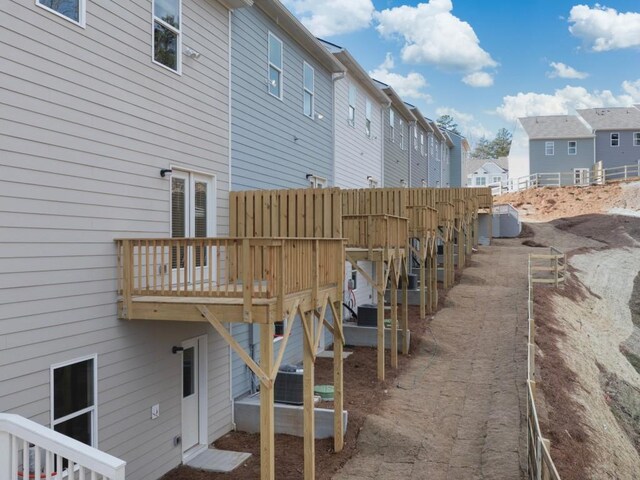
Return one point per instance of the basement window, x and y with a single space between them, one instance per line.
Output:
72 10
73 399
615 139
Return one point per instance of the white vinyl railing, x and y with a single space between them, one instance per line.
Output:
30 451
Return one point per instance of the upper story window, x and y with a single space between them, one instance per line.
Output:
480 181
422 152
72 10
636 139
415 137
275 66
549 148
431 147
572 147
367 117
615 139
309 89
353 98
401 135
73 399
167 38
392 125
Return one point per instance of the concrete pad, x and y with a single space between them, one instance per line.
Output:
289 419
214 460
368 336
329 354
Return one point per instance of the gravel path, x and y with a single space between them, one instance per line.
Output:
458 411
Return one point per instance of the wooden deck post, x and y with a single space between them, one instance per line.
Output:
338 386
127 278
394 320
434 283
423 280
404 320
309 406
267 428
380 322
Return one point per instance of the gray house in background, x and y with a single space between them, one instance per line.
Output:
550 144
459 156
418 151
617 132
282 101
436 141
92 111
282 115
396 139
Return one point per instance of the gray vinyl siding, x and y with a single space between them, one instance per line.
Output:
396 159
624 154
433 165
274 145
418 161
455 162
87 122
560 161
357 155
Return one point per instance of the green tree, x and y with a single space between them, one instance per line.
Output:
447 122
502 143
482 149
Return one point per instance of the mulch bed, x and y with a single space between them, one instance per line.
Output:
364 395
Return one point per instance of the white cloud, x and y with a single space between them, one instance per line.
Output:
605 28
478 79
560 70
472 129
563 101
410 86
433 35
332 17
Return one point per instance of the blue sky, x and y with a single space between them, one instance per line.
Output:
488 62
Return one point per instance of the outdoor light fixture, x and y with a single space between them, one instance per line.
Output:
175 350
190 52
319 116
403 183
166 172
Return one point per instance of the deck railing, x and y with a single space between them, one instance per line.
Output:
423 221
446 213
226 267
29 450
375 231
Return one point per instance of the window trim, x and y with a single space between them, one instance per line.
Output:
317 181
415 137
392 125
178 32
546 149
82 13
279 69
368 109
352 122
402 145
611 139
636 139
422 149
306 90
93 408
575 147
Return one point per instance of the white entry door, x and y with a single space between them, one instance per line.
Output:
190 395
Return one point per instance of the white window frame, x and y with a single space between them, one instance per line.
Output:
401 125
574 148
497 179
352 105
617 139
636 139
367 117
392 124
306 90
316 181
422 150
549 149
280 68
177 31
93 409
481 181
82 13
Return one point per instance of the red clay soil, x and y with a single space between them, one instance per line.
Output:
364 395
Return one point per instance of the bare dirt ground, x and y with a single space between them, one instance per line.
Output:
458 410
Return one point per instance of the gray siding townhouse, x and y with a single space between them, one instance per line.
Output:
360 107
96 99
397 124
437 142
419 172
459 156
445 151
282 100
282 90
549 144
617 132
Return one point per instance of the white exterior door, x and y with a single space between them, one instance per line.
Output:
190 395
581 176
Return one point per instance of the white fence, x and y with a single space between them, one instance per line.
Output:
29 450
579 177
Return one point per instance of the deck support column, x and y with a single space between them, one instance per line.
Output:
380 322
476 231
404 319
432 275
338 386
423 281
267 429
394 320
448 263
308 404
